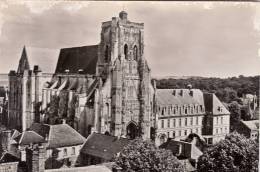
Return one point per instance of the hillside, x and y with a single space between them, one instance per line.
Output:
227 89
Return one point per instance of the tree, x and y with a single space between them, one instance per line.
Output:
235 114
144 156
235 153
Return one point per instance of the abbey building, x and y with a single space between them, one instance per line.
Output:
107 88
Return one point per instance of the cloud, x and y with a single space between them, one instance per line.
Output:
189 38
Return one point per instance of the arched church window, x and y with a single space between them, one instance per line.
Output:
126 51
107 54
135 52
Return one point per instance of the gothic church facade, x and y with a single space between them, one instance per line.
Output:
104 88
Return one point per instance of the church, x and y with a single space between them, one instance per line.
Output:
107 88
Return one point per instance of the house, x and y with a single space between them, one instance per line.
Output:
100 148
188 150
63 143
249 128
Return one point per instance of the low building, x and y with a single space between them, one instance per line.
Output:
100 148
188 150
249 128
63 143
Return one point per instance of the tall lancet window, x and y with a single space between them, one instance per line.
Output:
107 54
135 53
126 51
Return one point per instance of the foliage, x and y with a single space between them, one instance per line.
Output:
144 156
227 89
235 114
63 104
52 111
72 110
235 153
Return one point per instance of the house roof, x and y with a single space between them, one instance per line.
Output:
182 149
60 135
103 146
213 104
174 97
28 137
76 58
252 125
9 157
45 58
91 168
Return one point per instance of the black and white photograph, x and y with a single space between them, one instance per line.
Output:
129 86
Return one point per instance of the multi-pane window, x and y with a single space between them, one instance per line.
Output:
174 122
191 121
173 134
216 130
180 133
185 132
168 134
180 122
162 123
217 120
168 123
221 120
174 111
186 111
197 120
186 121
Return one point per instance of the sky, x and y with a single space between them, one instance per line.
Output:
211 39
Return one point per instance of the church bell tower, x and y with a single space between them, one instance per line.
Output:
121 58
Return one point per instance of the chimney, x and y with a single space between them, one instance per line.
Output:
63 121
5 140
154 84
35 158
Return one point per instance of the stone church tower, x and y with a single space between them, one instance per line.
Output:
121 60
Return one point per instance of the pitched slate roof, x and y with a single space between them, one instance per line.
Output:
28 137
174 97
252 124
188 150
60 135
103 146
76 58
91 168
213 104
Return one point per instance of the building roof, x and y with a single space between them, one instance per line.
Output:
45 58
76 58
28 137
60 135
91 168
103 146
213 104
179 96
9 157
252 125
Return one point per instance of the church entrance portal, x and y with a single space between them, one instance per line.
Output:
132 130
